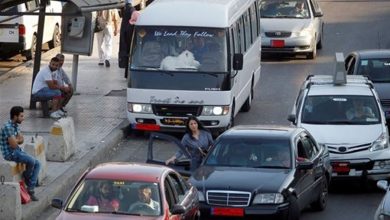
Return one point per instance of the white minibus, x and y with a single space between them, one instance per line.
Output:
18 33
192 57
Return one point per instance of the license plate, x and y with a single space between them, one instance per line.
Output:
174 121
341 167
147 127
223 211
277 43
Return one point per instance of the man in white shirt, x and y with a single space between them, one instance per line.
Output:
145 205
46 86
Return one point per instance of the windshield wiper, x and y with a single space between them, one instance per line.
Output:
272 167
187 68
75 210
148 67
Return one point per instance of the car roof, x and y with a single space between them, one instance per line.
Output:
323 85
128 171
261 131
373 53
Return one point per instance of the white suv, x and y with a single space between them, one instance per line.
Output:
344 114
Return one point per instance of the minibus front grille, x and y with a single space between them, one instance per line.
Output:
177 110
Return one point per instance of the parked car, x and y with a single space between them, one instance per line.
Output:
383 210
18 33
344 114
375 64
115 190
289 30
255 171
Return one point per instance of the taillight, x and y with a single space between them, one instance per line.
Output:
22 30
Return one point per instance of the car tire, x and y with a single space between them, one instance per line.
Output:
56 40
231 122
319 44
293 209
311 55
248 103
31 52
320 203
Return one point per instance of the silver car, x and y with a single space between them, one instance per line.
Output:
383 210
291 27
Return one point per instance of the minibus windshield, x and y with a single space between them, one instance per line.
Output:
179 49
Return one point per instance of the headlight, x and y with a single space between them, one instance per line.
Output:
201 196
139 108
380 143
215 110
268 198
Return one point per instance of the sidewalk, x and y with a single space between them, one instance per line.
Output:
99 111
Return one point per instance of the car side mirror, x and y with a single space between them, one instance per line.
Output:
305 165
291 118
178 209
318 14
57 203
382 184
238 61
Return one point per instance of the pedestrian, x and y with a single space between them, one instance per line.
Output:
109 20
46 86
197 141
10 141
126 32
64 82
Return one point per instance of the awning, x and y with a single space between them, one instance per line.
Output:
84 5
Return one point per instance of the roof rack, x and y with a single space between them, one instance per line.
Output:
339 77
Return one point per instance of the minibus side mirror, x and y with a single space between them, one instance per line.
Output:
238 61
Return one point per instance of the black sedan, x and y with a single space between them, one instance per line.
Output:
263 172
375 64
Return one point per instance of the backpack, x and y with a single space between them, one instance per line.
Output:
100 22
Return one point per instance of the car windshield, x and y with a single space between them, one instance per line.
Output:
338 109
115 197
284 9
378 70
188 49
257 153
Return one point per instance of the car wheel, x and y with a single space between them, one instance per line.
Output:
231 122
311 55
31 52
293 209
248 103
56 40
320 203
319 44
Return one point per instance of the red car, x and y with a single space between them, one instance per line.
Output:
130 191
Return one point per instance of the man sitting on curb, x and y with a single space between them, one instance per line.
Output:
46 86
10 140
63 81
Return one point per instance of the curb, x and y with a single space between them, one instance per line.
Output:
61 186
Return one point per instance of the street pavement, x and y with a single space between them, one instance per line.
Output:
98 111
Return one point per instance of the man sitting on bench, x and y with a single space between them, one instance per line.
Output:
45 86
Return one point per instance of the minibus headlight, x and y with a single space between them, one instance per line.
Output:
140 108
215 110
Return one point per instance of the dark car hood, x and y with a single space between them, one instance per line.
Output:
240 178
